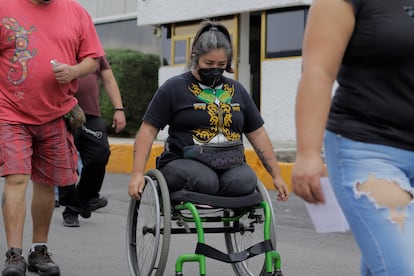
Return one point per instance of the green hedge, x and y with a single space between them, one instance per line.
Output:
137 77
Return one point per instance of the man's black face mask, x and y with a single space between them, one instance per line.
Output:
211 76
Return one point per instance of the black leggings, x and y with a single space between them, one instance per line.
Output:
197 177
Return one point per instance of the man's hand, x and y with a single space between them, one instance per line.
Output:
64 73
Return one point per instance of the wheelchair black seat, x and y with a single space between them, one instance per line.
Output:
216 201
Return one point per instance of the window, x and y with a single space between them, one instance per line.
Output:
126 34
284 32
180 51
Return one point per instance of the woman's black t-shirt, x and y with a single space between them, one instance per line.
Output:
374 102
197 114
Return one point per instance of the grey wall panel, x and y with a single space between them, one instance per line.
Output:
109 8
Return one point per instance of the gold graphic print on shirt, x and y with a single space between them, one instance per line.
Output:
218 106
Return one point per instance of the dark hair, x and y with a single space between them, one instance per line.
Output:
211 35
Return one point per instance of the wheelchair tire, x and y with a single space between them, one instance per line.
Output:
149 228
239 241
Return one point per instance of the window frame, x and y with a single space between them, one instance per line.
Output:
284 53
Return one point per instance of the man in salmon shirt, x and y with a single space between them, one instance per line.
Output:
35 143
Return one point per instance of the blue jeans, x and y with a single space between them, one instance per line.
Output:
374 186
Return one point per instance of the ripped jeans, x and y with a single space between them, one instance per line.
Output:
374 185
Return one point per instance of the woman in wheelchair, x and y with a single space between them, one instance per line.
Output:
207 114
203 163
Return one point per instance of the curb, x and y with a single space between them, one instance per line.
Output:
121 161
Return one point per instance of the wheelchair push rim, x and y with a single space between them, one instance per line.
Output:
149 228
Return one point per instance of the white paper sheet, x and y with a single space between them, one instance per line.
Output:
327 217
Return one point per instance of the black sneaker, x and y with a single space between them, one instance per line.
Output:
15 264
83 211
70 220
98 203
41 262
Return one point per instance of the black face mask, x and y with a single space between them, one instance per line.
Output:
211 76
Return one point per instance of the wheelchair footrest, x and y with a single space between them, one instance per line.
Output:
250 252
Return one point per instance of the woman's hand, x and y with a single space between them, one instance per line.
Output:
306 178
136 185
282 188
142 150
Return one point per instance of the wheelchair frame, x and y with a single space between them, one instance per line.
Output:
149 235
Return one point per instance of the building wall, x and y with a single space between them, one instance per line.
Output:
167 11
107 10
279 77
278 92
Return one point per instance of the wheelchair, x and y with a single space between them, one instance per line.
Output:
247 223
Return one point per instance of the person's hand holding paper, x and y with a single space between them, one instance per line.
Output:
327 217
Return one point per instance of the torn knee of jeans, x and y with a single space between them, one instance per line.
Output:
386 193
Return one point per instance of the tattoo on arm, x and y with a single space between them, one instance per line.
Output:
264 160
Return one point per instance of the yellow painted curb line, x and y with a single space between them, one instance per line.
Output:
121 161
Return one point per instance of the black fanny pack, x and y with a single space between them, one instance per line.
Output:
217 155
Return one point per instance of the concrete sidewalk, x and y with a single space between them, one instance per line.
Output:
121 159
98 246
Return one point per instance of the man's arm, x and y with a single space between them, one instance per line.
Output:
65 73
112 90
